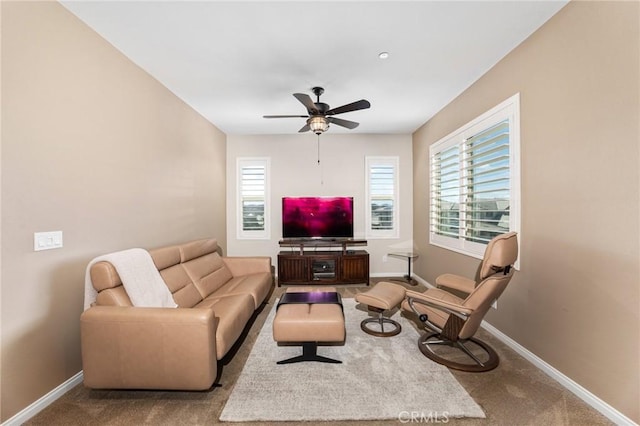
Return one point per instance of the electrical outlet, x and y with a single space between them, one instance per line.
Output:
47 240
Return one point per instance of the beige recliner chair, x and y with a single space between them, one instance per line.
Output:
452 320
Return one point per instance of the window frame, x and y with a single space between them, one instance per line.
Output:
370 162
241 164
506 110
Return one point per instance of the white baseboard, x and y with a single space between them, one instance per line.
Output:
387 274
44 402
605 409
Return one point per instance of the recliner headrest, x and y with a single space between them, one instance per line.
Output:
502 251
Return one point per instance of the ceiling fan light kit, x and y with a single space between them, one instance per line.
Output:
320 114
318 124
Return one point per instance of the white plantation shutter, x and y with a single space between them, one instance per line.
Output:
252 196
445 192
382 197
475 180
486 183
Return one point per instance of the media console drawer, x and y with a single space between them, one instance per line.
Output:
323 267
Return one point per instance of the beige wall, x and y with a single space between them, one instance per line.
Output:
295 172
95 147
575 303
0 214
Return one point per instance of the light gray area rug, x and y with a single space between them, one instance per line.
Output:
380 378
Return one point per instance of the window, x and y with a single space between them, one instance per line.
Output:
475 181
253 207
382 197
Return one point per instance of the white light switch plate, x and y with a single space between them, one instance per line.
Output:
47 240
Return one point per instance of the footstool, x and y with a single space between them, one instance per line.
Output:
309 316
382 297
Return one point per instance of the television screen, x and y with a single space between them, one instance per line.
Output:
317 217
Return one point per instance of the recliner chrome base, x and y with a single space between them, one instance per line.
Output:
381 321
478 365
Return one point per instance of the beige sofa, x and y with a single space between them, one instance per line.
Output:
127 347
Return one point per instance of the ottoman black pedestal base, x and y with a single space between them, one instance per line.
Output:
309 353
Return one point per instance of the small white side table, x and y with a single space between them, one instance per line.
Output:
409 255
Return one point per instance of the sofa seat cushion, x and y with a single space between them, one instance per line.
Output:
257 285
232 312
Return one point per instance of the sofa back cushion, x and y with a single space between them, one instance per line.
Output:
192 271
104 276
167 260
204 266
107 283
194 249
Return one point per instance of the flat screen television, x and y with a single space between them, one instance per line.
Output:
317 217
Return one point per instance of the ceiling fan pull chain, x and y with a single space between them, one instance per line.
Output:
320 165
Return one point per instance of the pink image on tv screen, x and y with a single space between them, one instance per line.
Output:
317 217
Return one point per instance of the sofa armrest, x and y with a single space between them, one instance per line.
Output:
148 348
241 265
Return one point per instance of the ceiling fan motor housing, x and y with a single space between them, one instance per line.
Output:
321 107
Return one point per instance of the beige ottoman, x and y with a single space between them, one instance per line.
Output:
384 296
309 316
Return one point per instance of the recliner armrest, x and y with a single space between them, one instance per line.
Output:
148 348
241 265
456 282
438 303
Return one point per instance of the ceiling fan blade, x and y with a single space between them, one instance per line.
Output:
285 116
304 128
353 106
307 102
344 123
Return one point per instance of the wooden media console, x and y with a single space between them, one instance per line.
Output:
301 265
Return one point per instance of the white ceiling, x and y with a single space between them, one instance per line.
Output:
235 61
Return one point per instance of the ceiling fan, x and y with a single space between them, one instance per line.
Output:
320 115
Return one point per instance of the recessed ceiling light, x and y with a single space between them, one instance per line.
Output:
383 55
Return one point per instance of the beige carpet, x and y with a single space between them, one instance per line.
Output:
380 378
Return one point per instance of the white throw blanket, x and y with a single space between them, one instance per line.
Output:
139 276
